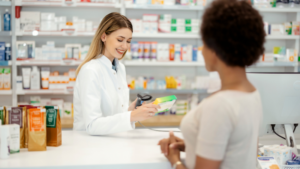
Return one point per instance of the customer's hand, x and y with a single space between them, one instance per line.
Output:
132 105
166 143
174 153
144 112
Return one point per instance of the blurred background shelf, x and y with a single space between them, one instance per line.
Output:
276 64
278 9
5 92
5 3
287 37
44 92
137 63
169 91
48 63
5 33
164 7
76 4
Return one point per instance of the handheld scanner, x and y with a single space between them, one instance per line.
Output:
141 98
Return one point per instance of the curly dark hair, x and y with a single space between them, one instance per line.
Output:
235 31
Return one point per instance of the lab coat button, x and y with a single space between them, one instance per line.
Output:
122 105
119 88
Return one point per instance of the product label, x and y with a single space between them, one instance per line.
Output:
36 120
51 118
15 116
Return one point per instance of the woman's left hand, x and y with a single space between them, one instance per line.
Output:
174 154
132 105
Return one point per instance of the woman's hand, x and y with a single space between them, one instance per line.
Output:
144 112
132 105
166 143
173 154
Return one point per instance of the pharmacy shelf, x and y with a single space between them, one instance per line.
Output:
163 7
5 33
138 35
170 91
283 37
167 35
275 64
278 9
55 33
5 92
5 3
74 4
48 63
143 63
88 34
44 92
5 63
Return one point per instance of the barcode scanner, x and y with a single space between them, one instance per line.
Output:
141 98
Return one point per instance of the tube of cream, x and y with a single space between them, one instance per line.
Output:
26 77
45 72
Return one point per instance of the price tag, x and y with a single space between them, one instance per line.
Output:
69 3
69 32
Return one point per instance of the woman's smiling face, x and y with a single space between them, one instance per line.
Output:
117 43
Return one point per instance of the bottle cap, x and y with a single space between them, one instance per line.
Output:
7 45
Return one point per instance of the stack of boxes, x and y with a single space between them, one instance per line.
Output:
152 23
164 23
48 22
64 81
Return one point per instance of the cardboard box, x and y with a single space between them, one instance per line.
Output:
30 20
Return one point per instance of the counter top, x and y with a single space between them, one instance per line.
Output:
135 149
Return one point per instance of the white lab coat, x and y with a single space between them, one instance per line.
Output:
101 98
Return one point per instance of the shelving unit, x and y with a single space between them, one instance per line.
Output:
44 92
5 3
153 68
5 33
286 10
74 4
5 92
163 7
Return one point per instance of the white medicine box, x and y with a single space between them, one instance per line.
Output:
30 20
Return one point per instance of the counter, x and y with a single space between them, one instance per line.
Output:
135 149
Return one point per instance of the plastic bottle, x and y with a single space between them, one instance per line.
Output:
6 20
7 51
35 78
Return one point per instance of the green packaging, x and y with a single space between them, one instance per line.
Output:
2 115
273 3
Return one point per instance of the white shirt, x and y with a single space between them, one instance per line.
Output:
101 98
224 127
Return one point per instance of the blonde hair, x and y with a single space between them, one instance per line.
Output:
110 23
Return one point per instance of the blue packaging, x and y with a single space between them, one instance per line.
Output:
6 21
297 159
293 162
2 51
7 52
195 51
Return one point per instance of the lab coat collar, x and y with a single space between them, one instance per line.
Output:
108 63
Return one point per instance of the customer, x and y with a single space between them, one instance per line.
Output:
222 132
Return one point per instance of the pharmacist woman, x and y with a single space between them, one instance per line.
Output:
101 94
222 131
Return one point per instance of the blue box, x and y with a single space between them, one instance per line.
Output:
2 50
195 52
